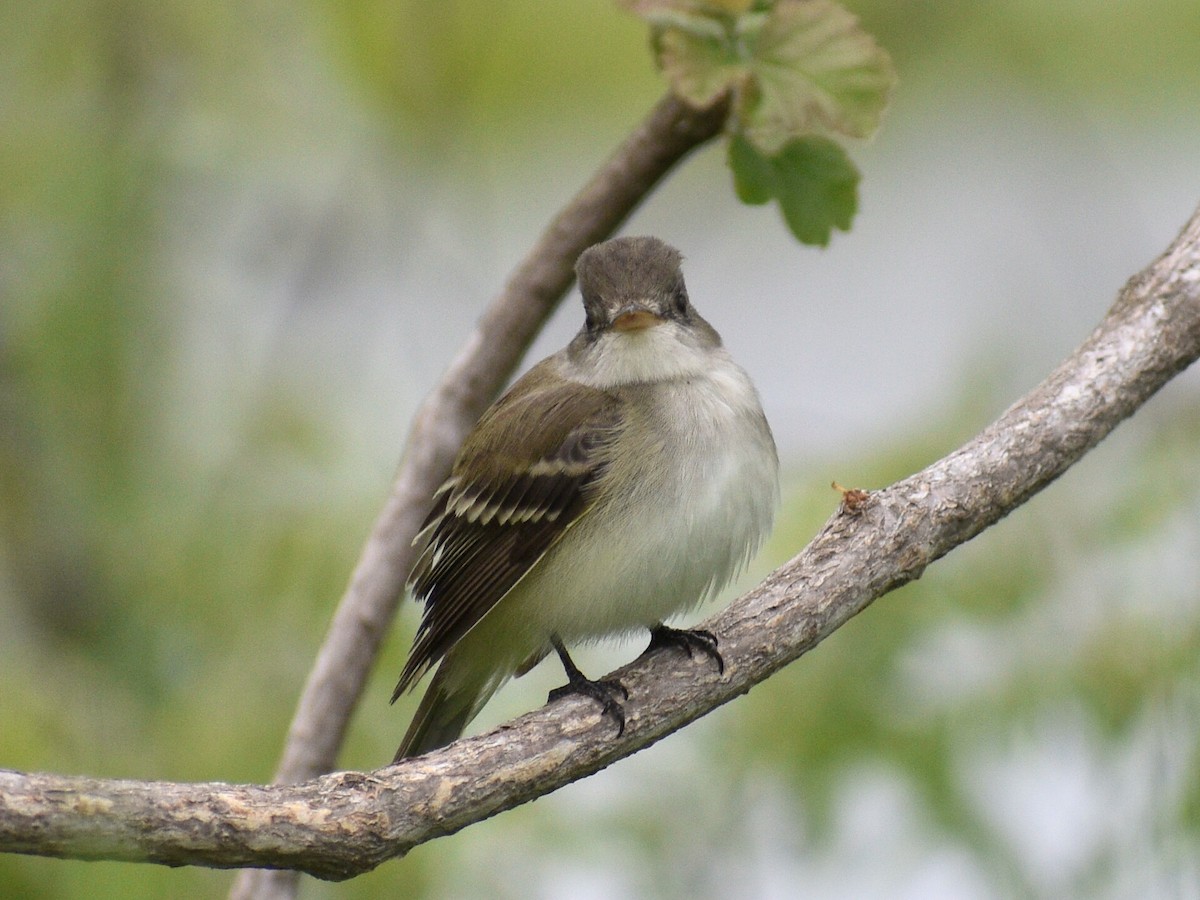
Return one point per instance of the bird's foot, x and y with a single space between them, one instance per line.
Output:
604 691
700 640
607 692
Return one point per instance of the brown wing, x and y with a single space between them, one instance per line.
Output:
533 457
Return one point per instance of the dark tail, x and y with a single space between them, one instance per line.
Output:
443 714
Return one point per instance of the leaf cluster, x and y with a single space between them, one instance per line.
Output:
800 74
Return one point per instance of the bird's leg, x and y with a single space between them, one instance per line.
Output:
604 692
700 640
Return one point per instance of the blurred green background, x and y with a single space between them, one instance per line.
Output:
239 241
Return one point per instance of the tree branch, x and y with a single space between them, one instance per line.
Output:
343 824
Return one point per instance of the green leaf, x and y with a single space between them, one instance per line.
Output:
796 67
700 65
814 69
699 44
800 72
753 174
813 180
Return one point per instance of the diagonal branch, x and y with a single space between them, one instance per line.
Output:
343 824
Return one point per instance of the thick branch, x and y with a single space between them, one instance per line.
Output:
347 823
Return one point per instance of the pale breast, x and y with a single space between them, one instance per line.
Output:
696 495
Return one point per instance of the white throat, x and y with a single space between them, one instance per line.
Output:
665 352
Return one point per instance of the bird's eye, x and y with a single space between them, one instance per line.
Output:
680 300
591 321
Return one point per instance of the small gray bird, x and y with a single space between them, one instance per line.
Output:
620 481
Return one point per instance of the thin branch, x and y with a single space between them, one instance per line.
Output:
341 825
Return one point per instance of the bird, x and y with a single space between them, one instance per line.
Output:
619 482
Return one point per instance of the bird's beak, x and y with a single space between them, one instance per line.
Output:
635 318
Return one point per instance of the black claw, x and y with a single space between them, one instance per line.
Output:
700 640
604 692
